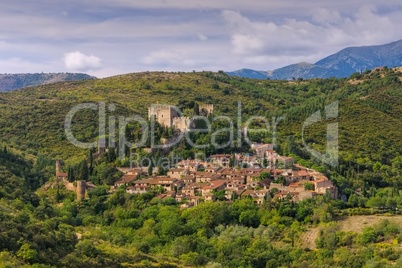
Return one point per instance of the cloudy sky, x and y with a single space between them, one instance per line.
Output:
105 38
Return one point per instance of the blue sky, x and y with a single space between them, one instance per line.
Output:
105 38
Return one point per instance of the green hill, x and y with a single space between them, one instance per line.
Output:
370 112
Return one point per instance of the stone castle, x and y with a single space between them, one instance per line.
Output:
82 186
168 116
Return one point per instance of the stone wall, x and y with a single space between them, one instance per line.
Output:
206 109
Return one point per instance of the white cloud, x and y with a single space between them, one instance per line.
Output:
181 35
202 37
163 56
293 39
77 61
19 65
322 15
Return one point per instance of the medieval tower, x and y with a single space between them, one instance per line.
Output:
59 166
81 187
164 114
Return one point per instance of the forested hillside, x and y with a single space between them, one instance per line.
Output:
370 112
43 224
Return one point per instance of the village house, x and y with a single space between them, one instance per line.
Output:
234 185
303 195
192 165
212 169
257 195
324 186
262 148
180 197
285 160
193 201
294 196
170 194
177 173
136 190
167 183
221 160
189 179
216 186
234 193
301 175
254 184
193 189
209 197
131 174
207 177
61 176
125 180
237 181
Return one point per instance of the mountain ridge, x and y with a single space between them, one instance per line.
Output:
10 82
340 65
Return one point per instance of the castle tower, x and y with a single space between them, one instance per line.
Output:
206 109
59 166
164 114
81 187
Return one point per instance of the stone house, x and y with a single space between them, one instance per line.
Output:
260 150
216 186
136 189
125 180
177 173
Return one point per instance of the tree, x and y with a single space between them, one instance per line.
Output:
353 200
295 230
290 145
264 162
161 171
84 172
376 202
58 193
196 109
265 175
27 253
249 218
308 186
377 166
91 160
70 174
232 160
274 191
150 169
111 155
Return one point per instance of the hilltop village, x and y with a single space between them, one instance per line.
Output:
255 175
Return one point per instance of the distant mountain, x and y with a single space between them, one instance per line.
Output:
9 82
303 69
249 73
341 64
356 59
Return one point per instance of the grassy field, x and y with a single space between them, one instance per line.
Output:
347 224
